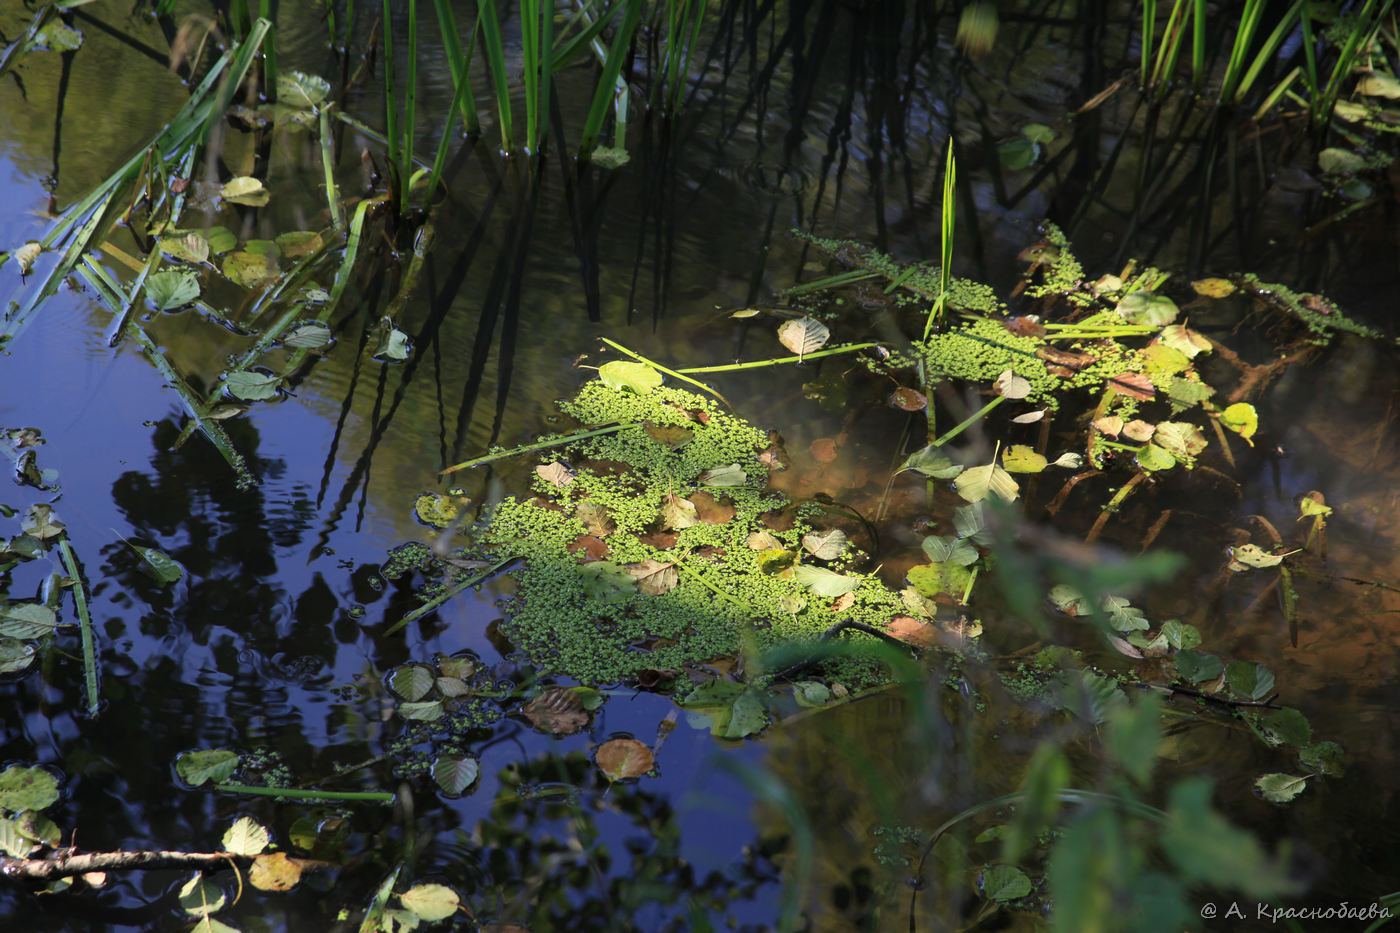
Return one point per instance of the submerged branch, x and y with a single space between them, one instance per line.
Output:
73 865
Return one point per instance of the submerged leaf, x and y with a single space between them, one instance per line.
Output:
803 335
728 475
162 566
214 765
172 289
943 549
1148 308
299 89
596 518
607 582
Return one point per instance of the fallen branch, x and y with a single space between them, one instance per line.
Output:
73 864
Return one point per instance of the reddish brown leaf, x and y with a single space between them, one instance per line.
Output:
907 399
590 547
1066 358
712 510
843 602
1133 385
911 630
621 759
1024 326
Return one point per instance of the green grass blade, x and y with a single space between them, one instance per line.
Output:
391 100
1149 23
1267 51
490 29
75 572
949 217
460 65
608 81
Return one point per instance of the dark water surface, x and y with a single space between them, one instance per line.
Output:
273 639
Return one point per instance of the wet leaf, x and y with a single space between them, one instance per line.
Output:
1376 84
607 582
976 483
969 523
162 566
1313 504
250 270
622 759
422 711
431 902
823 450
244 190
1213 288
907 399
1069 600
26 255
626 375
791 603
803 335
1009 385
1003 883
670 435
214 765
1197 666
677 513
826 545
1140 431
58 37
411 681
200 896
1123 615
811 693
452 686
728 475
13 842
1068 461
1133 385
843 602
557 474
172 289
302 90
1280 788
1185 340
221 240
912 631
1161 360
596 518
454 774
394 346
246 837
15 655
934 579
1249 679
558 710
1017 154
1335 161
654 577
745 313
1153 458
763 541
745 716
274 871
1030 417
1252 555
27 620
1038 133
943 549
41 522
191 247
1148 308
1286 726
252 386
824 582
310 335
1020 458
1181 439
1242 419
23 788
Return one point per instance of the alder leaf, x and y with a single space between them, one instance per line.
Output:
803 335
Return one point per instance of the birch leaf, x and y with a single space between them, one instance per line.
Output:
654 577
803 335
557 474
827 545
677 513
976 483
727 475
1009 385
824 582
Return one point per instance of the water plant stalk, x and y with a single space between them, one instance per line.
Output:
448 594
775 361
293 793
679 374
75 573
489 28
559 441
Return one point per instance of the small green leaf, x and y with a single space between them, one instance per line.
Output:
244 190
929 461
246 837
976 483
607 582
1286 726
423 711
1038 133
1003 883
1196 666
1019 458
27 620
1017 154
747 715
1249 679
1327 758
252 386
201 897
1242 419
1280 788
626 375
172 289
394 346
214 765
1335 161
824 582
811 693
411 681
455 773
162 566
302 90
431 902
1143 307
58 37
310 335
677 513
727 475
24 788
1154 459
941 549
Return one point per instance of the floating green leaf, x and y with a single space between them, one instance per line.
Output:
1181 439
58 37
1123 616
930 461
1154 459
1003 883
252 386
411 681
811 693
1242 419
1324 757
1252 555
244 190
453 774
1249 679
1335 161
634 377
1019 458
1285 726
607 582
1017 154
969 523
162 566
746 715
423 710
394 346
431 902
310 335
246 837
1197 666
1280 788
27 620
214 765
16 655
932 579
975 483
299 89
1038 133
1185 340
728 475
1143 307
172 289
250 270
824 582
23 788
201 896
947 548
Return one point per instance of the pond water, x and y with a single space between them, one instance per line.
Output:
275 639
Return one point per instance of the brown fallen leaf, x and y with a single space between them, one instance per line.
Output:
823 450
711 510
621 759
911 630
558 711
596 518
556 474
1133 385
654 577
843 602
275 871
589 546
